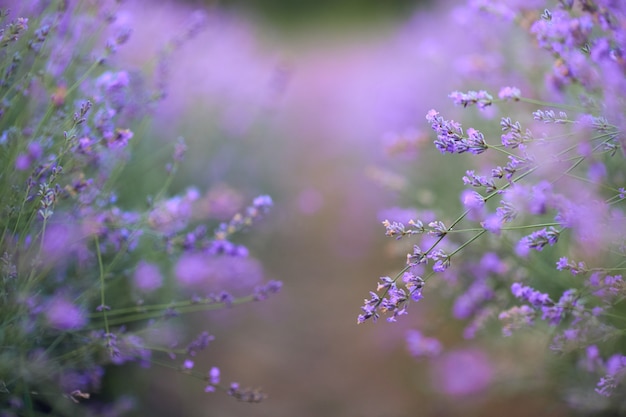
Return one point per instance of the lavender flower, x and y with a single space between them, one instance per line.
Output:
419 346
450 136
85 272
552 198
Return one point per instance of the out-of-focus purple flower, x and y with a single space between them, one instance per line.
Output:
516 318
509 93
23 161
86 380
147 277
481 98
119 139
467 303
199 343
591 361
64 315
537 240
221 202
474 203
214 375
191 269
421 346
615 367
210 274
173 215
528 294
462 372
127 348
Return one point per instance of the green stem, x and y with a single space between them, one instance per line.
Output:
101 271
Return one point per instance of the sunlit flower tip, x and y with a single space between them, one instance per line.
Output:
188 364
510 93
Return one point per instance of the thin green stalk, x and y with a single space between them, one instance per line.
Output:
102 301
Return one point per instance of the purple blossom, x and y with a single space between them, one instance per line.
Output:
462 372
473 202
64 315
493 224
399 230
509 93
530 295
480 98
172 215
569 303
421 346
615 374
120 138
147 277
606 287
199 343
214 375
564 264
412 282
591 361
516 318
468 302
450 136
513 136
474 180
262 292
538 240
128 347
199 272
393 300
441 258
559 32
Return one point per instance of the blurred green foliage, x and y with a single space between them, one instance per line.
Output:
290 13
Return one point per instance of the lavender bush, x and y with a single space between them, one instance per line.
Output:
91 281
540 244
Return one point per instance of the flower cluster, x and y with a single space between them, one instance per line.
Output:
87 279
544 199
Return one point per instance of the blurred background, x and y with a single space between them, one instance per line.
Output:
321 104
